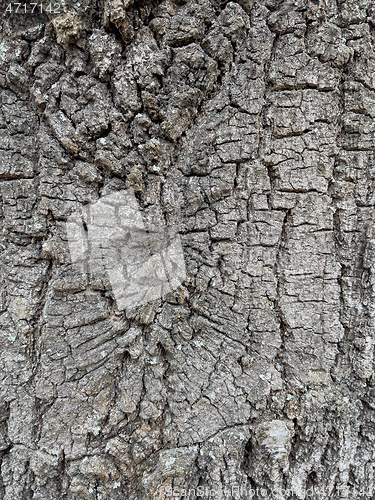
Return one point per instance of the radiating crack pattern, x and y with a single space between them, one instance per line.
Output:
247 130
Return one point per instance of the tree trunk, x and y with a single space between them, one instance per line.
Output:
248 129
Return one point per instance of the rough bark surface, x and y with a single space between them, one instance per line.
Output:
249 126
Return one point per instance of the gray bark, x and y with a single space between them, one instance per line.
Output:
248 127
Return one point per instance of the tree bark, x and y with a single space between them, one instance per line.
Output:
248 128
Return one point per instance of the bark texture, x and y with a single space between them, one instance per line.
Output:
248 126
